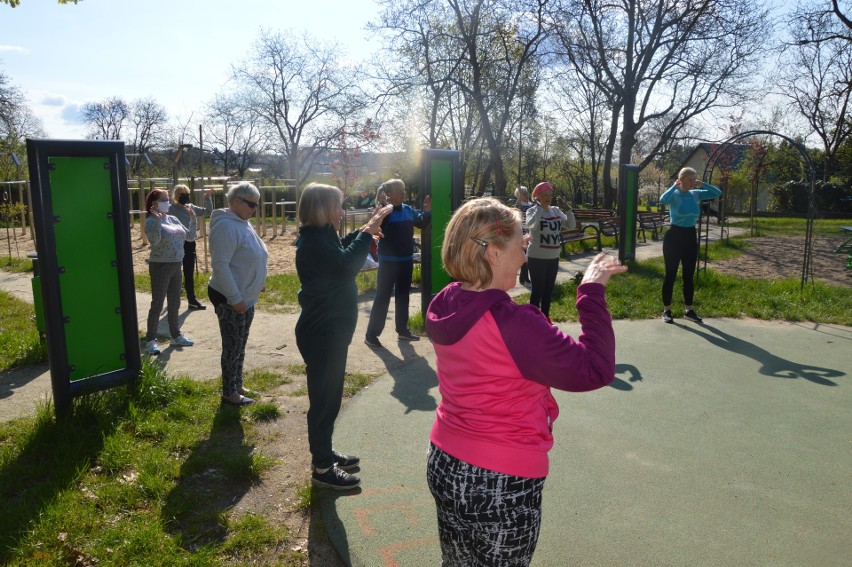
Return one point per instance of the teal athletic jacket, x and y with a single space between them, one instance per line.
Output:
684 208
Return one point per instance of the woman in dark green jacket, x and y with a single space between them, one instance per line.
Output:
327 267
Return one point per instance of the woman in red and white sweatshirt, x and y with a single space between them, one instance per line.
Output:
544 222
496 364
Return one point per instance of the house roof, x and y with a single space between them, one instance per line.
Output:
731 157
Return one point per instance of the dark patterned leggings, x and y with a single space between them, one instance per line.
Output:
234 328
485 518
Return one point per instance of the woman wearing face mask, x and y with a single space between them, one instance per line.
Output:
166 235
188 214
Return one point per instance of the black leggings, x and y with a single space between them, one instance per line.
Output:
543 279
189 270
680 246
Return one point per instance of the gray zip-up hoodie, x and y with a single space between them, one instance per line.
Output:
238 256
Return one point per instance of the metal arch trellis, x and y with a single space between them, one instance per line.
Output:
712 160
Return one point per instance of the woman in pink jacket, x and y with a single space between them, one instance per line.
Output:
496 364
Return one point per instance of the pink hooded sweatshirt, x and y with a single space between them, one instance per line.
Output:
497 361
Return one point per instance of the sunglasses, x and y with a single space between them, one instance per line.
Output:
251 204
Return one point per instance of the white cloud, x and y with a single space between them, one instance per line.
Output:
71 114
13 48
53 100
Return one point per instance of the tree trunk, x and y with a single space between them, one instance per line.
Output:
293 164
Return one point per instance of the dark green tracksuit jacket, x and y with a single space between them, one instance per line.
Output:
327 267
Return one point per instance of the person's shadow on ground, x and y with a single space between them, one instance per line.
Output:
217 473
18 377
413 378
632 374
328 523
771 365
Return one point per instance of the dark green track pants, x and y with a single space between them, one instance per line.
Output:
325 360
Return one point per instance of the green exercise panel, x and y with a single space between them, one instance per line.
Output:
85 263
442 179
628 199
86 256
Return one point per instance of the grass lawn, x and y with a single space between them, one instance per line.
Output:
143 475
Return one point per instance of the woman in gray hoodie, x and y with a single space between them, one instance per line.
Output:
238 256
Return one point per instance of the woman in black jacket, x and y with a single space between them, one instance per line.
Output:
327 267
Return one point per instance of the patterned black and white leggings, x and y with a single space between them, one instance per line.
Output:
485 518
234 328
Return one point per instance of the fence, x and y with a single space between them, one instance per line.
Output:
278 198
21 189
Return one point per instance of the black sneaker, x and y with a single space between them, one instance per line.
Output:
335 479
667 316
345 462
408 336
372 341
196 305
692 316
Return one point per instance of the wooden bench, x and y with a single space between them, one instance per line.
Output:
604 220
588 232
592 216
656 222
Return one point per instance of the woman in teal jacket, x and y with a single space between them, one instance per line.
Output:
327 266
680 244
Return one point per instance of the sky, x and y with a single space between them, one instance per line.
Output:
179 52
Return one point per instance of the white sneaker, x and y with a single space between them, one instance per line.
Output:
151 347
181 340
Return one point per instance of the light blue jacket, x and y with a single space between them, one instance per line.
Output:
684 207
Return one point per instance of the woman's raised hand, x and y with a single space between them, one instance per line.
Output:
374 225
602 268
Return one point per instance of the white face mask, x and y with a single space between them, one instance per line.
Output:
163 206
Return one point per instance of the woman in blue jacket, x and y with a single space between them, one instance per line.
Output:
680 244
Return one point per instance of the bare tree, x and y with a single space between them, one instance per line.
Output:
583 111
237 130
816 22
304 92
416 76
816 76
500 41
663 62
16 3
11 100
469 55
148 120
17 122
106 118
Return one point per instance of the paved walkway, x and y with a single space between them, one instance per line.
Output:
720 444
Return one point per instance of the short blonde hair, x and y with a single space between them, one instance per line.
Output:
477 224
687 171
179 189
318 203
